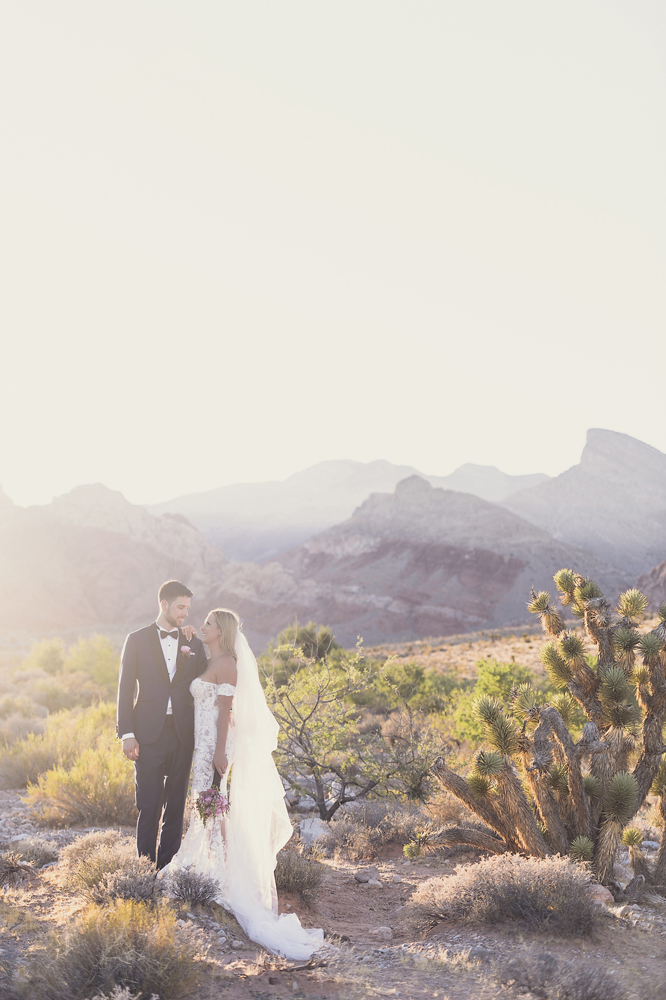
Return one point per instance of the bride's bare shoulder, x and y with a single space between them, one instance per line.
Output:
225 670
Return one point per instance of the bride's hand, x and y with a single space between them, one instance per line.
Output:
188 631
220 762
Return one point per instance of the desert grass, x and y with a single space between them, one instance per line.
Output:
539 893
126 945
37 850
542 975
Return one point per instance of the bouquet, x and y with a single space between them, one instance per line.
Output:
211 803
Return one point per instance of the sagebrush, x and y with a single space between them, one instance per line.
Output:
540 893
296 873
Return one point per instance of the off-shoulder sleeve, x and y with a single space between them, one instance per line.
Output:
226 690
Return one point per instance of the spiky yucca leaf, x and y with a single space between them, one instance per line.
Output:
487 709
650 647
620 714
587 590
632 603
565 705
565 581
552 621
558 671
577 611
620 797
572 649
479 785
640 674
659 783
538 603
661 613
525 701
614 685
488 763
625 641
558 779
581 849
632 837
503 735
592 785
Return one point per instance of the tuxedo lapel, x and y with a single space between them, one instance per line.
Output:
158 655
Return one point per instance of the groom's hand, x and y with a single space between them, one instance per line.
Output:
131 748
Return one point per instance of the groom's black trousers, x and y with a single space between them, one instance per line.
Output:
161 778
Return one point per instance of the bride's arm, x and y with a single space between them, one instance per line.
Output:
224 703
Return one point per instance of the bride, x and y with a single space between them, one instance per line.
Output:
234 726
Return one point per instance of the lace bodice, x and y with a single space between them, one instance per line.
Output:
205 694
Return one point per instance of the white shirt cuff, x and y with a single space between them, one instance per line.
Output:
128 736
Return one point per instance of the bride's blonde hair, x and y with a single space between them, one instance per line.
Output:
228 623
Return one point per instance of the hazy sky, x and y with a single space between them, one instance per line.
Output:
240 238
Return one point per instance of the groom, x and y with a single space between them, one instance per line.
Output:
156 720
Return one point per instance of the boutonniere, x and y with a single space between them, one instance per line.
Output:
186 651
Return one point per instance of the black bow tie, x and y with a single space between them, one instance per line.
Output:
163 634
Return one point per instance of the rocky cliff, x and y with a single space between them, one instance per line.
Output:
613 503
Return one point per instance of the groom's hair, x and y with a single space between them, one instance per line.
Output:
172 589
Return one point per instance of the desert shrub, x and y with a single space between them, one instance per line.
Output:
13 869
494 680
544 976
129 945
37 850
187 886
136 880
67 691
65 736
543 893
360 831
47 655
17 727
85 862
96 658
98 788
420 688
89 844
296 873
12 704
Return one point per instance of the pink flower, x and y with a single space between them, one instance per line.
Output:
186 651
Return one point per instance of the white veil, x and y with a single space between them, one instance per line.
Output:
258 824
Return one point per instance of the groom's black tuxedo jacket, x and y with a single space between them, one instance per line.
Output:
144 687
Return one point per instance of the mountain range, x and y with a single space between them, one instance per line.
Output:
415 557
258 521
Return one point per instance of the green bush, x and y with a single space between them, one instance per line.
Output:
493 679
98 788
128 944
65 736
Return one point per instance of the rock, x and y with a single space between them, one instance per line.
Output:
382 933
652 845
622 874
313 831
396 878
237 944
483 954
600 894
375 883
365 874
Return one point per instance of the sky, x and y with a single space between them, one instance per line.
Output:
239 238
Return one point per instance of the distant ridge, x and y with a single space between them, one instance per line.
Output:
613 503
258 521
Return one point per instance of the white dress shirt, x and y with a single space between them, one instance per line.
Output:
169 646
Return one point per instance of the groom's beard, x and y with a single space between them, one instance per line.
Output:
172 621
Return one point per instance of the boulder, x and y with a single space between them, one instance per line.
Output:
365 874
600 894
382 933
313 831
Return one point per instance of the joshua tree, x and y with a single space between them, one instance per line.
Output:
539 791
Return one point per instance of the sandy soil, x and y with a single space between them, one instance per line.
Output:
416 962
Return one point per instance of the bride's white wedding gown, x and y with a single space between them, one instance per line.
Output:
238 849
